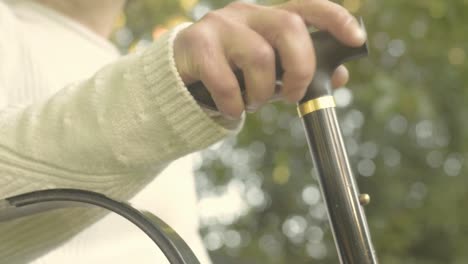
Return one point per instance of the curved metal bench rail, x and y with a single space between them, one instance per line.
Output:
171 244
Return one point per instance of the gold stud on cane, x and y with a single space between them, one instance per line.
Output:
364 199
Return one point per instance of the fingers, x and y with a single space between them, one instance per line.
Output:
214 70
285 28
246 50
326 15
340 77
287 33
256 58
223 87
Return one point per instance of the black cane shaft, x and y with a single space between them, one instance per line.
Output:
338 187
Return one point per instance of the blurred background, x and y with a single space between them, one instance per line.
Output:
403 115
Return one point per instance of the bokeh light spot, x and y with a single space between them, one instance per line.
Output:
281 174
418 28
232 239
311 195
316 250
343 97
396 48
366 167
453 165
456 56
294 228
213 240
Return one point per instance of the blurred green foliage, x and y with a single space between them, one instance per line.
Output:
404 116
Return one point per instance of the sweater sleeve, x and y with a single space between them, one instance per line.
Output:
111 133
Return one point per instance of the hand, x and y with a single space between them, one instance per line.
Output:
245 36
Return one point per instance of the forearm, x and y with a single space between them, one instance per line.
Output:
133 113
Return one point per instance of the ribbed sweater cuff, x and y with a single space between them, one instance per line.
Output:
180 109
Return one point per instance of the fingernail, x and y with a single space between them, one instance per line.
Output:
359 32
360 35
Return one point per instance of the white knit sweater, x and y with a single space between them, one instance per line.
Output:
67 121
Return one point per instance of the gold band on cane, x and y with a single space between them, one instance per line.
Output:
316 104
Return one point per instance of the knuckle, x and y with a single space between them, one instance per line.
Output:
190 33
263 54
292 21
303 74
199 35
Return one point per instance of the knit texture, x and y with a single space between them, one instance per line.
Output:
110 134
